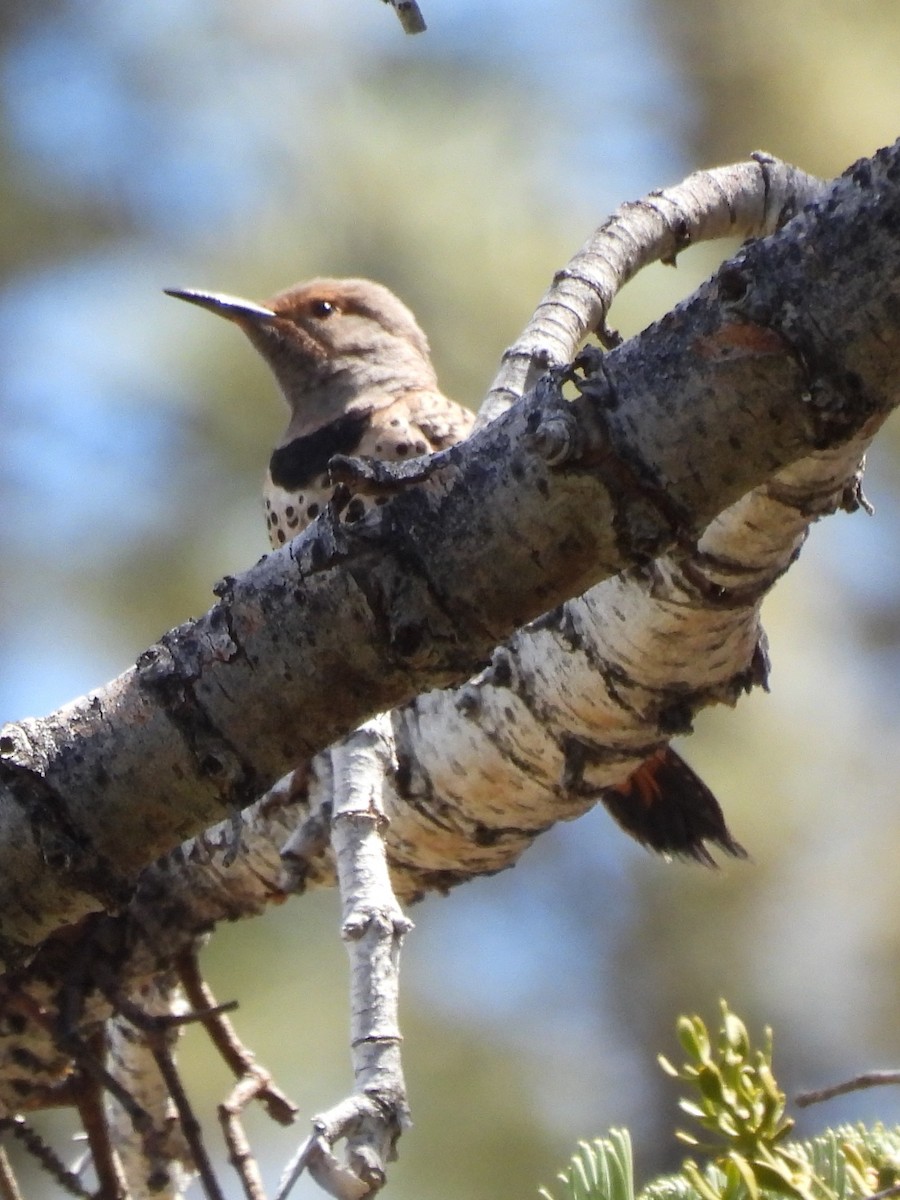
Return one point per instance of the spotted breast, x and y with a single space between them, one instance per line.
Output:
297 485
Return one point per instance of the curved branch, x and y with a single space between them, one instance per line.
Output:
745 199
653 448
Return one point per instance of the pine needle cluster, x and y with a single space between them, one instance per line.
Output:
739 1134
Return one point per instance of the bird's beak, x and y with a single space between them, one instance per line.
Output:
233 308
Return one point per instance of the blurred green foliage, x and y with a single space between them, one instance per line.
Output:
735 1099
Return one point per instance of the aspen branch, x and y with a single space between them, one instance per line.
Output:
794 326
199 725
409 14
156 1163
747 199
349 785
547 718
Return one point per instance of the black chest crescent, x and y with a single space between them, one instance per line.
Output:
297 464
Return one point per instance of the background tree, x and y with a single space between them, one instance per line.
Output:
242 148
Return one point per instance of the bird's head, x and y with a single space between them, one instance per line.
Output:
333 344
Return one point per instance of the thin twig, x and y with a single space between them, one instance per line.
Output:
9 1188
297 1165
744 198
410 15
856 1084
239 1060
49 1160
91 1067
161 1022
893 1190
240 1155
253 1081
110 1178
190 1126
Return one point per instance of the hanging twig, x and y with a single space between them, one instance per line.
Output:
107 1168
254 1082
9 1188
410 15
373 927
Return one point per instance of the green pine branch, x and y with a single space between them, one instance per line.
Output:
740 1128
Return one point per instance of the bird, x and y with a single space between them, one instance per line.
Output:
355 370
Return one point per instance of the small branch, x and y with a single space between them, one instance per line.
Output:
363 1123
373 927
409 14
859 1082
894 1190
254 1083
190 1126
49 1160
240 1155
745 199
306 845
155 1156
239 1060
108 1169
9 1187
314 1147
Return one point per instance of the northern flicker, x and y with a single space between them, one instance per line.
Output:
354 367
355 370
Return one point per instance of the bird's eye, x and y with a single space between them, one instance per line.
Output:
323 308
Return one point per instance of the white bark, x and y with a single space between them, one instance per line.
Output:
372 924
157 1165
748 199
474 773
349 784
554 496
